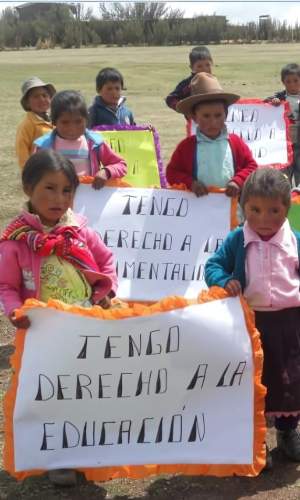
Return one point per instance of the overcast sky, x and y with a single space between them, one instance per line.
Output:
235 11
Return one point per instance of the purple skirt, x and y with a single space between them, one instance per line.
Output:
280 337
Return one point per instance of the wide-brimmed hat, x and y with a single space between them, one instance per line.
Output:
31 84
204 87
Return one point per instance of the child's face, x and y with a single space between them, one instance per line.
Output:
292 84
265 216
111 93
51 197
70 126
202 65
210 117
38 100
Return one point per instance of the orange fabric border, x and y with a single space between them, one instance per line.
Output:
107 473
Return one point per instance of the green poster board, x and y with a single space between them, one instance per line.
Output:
294 216
140 150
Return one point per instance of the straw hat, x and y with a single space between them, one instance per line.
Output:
204 87
31 84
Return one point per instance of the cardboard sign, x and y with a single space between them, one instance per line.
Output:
94 391
263 127
161 238
140 148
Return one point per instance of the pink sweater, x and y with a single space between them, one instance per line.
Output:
20 267
272 276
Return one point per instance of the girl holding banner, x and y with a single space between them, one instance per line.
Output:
261 260
47 252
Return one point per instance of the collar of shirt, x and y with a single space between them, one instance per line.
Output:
282 239
203 138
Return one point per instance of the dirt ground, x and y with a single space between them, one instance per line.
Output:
283 482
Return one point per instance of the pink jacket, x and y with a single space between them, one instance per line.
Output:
20 267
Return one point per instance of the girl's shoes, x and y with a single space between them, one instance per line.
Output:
62 477
269 460
289 443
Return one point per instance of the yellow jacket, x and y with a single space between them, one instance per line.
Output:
30 128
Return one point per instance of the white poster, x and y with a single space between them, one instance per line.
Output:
174 387
161 238
263 127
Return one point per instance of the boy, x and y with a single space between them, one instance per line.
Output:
200 60
290 77
36 98
108 107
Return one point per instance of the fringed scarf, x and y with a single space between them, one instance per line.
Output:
62 241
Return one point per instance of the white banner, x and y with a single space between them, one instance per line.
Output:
161 238
263 127
174 387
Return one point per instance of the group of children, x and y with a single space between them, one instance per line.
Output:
48 251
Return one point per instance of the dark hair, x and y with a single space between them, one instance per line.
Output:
44 161
290 69
268 183
199 54
211 101
108 75
68 101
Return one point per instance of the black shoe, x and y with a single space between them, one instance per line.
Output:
289 443
269 460
62 477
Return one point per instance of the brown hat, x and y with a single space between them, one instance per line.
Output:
204 87
31 84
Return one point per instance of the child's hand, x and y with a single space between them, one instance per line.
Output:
232 189
199 188
233 288
22 322
275 101
105 303
100 179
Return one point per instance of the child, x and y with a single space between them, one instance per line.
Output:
212 156
290 77
86 149
108 107
261 260
36 97
48 252
200 60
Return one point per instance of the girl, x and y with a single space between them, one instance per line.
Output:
212 156
47 251
86 149
36 98
109 107
261 260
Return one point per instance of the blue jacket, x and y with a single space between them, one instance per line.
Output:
228 263
101 114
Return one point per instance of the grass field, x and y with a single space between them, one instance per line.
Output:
150 73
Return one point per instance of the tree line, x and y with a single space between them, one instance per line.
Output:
131 23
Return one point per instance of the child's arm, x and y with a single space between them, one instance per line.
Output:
114 164
181 91
178 169
24 144
10 285
220 266
276 98
105 260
